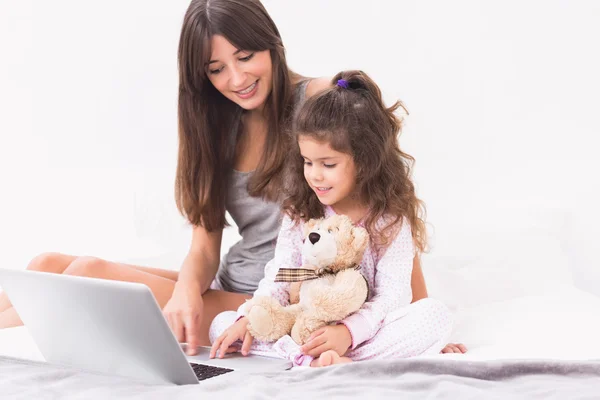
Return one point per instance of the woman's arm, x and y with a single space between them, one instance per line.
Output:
417 281
184 310
317 84
202 261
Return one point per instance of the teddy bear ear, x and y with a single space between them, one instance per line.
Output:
360 239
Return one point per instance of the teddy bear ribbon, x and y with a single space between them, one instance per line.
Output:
302 274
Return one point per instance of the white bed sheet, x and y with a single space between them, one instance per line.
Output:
549 326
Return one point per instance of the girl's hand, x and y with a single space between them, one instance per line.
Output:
183 313
331 337
237 331
454 348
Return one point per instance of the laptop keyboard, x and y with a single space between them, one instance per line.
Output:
208 371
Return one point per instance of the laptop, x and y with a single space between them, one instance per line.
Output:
114 328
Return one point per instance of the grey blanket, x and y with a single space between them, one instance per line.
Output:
397 379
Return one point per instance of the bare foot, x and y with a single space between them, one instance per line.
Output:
328 358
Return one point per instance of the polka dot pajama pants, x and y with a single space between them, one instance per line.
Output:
420 328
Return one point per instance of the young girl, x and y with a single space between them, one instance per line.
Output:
348 162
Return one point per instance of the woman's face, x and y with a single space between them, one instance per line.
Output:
242 76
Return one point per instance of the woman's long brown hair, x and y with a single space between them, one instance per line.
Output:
355 121
207 119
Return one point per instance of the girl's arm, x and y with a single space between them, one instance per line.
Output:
287 255
392 288
417 283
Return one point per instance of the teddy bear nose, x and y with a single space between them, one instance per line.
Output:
314 237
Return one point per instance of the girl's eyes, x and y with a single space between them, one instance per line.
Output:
243 59
308 164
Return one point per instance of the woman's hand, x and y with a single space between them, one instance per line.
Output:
237 331
454 348
331 337
184 313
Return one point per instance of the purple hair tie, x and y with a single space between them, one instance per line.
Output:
343 83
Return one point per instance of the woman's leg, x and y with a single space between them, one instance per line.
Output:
161 286
46 262
57 263
160 282
216 302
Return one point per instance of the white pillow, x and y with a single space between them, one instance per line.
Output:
501 256
562 325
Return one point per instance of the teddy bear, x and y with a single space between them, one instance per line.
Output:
327 288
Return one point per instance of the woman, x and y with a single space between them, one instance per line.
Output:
236 97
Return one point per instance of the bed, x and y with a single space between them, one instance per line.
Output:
540 346
533 347
531 333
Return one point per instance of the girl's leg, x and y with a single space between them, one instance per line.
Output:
224 320
329 357
284 348
422 328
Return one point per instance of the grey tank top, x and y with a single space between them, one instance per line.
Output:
258 224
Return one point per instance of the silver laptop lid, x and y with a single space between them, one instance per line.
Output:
97 325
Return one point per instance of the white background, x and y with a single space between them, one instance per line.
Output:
503 100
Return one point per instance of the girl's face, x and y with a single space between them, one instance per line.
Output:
329 173
242 76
